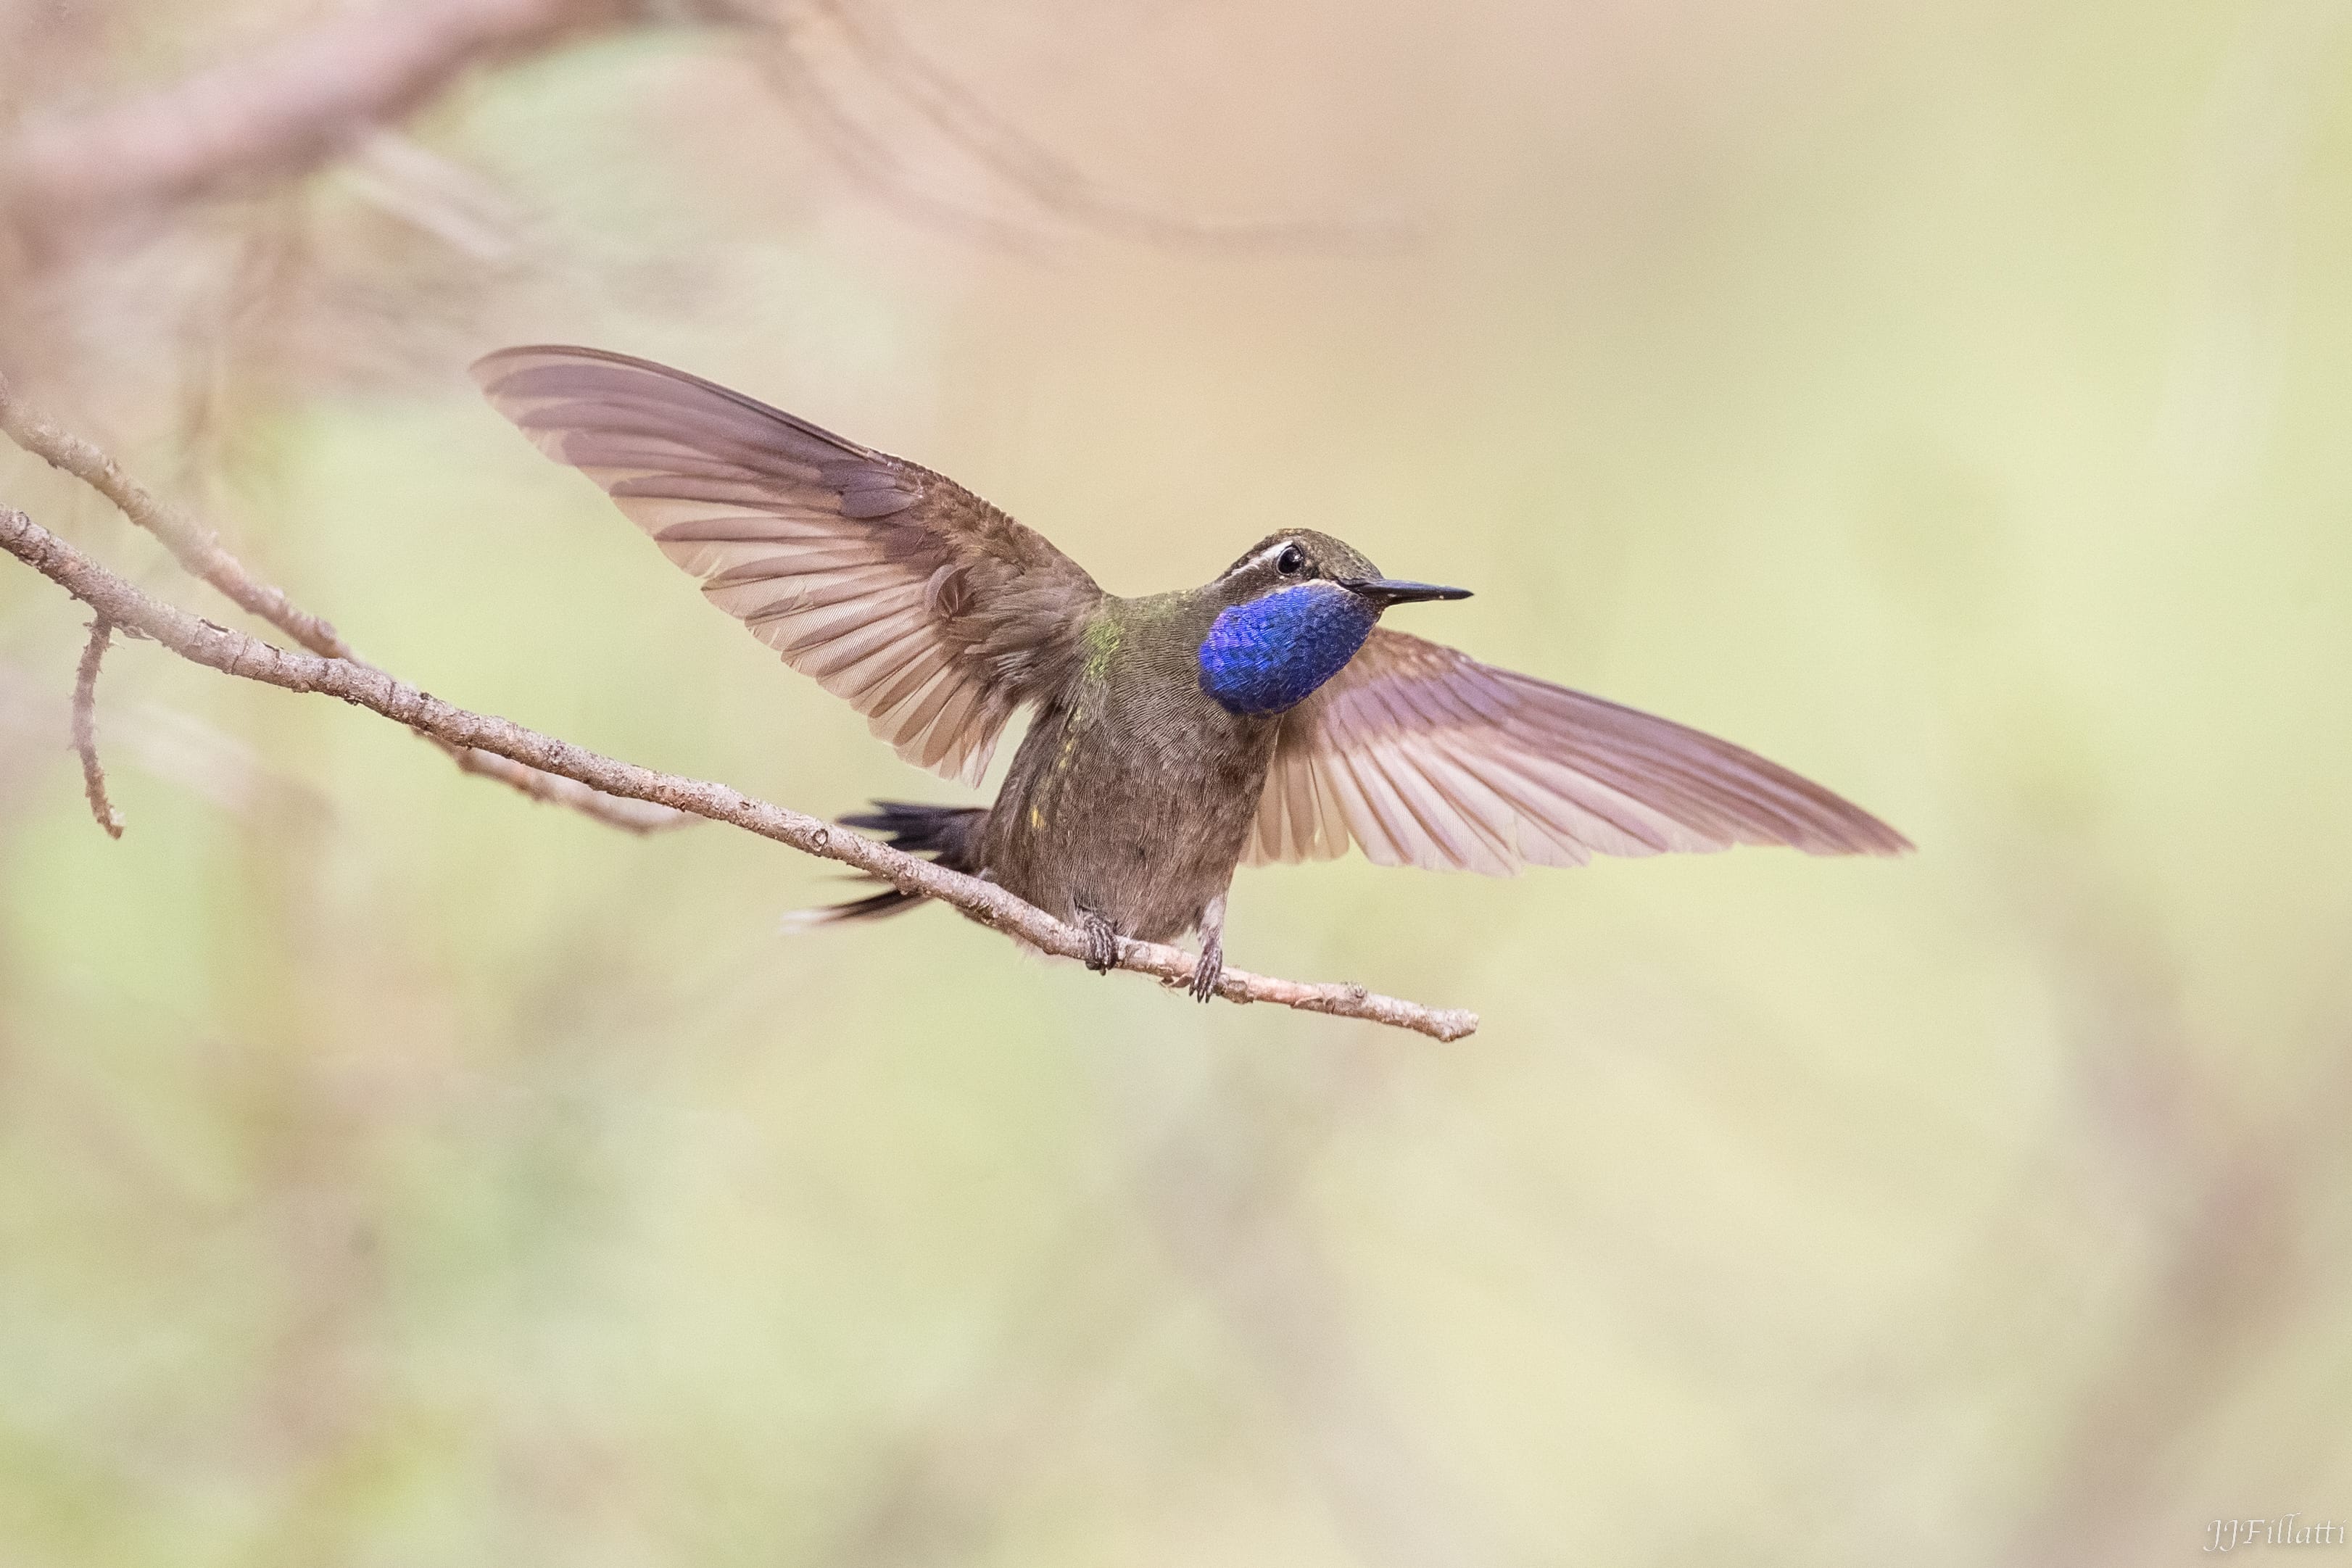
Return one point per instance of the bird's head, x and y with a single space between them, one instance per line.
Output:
1296 607
1301 558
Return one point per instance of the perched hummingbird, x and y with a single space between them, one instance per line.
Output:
1264 716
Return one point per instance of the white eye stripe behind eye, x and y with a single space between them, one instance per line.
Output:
1269 556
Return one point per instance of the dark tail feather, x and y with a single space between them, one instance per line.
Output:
889 900
948 834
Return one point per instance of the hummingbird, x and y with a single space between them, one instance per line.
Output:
1266 715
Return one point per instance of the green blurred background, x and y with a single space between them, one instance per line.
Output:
1949 401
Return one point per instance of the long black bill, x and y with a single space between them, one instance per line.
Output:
1387 591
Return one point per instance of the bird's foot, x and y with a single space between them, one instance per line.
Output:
1209 970
1102 941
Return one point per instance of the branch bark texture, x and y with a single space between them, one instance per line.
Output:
364 685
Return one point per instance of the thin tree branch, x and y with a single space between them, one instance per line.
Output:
275 111
85 727
364 685
201 554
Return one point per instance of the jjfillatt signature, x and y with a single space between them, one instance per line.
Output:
2229 1534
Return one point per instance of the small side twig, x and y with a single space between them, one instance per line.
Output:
202 556
84 726
364 685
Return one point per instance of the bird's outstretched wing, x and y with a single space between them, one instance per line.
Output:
1425 756
935 614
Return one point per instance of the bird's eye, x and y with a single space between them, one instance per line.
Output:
1291 563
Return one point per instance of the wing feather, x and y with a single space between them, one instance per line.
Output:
1424 757
932 612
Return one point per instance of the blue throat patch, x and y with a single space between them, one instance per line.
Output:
1272 653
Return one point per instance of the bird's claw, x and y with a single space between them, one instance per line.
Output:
1208 971
1102 944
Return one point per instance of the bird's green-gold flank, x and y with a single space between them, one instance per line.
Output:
1263 716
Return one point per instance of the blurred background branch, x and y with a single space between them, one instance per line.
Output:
265 114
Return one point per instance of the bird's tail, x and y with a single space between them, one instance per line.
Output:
948 834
